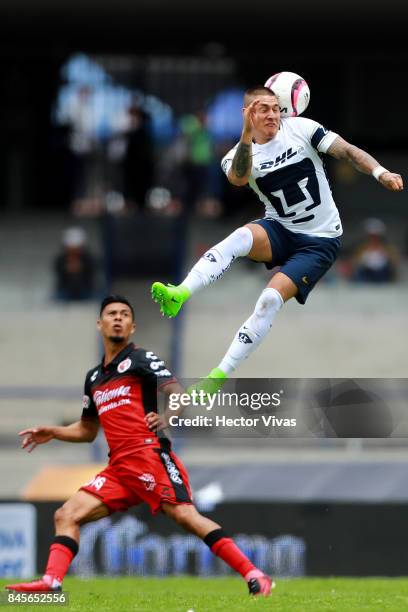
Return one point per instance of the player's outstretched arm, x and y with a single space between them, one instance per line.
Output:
241 167
81 431
363 162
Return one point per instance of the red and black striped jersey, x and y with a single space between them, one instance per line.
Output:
121 393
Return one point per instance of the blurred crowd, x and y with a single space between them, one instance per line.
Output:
117 159
373 259
76 271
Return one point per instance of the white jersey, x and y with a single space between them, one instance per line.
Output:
288 176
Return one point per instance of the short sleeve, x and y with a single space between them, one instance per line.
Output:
226 161
88 407
320 137
154 369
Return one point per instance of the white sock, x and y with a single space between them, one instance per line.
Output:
218 259
253 331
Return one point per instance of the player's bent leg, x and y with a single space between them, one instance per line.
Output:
261 249
253 331
211 267
278 291
81 508
284 285
187 516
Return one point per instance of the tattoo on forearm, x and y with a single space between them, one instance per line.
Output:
361 160
242 160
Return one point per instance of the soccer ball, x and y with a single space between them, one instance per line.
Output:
292 91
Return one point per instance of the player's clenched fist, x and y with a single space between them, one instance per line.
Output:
391 181
34 436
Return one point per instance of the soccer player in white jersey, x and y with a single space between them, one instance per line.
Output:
280 159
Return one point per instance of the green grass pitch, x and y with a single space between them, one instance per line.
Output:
230 594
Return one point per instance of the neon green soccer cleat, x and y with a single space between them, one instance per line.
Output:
210 384
170 298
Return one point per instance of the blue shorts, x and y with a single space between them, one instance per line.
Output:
302 257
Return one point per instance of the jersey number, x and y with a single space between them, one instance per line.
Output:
290 186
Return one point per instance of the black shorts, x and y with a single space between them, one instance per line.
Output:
304 258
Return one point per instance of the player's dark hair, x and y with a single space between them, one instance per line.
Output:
110 299
259 90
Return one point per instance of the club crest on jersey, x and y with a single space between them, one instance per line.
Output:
148 480
124 365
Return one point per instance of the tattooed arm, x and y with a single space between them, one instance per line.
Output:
241 164
240 170
363 162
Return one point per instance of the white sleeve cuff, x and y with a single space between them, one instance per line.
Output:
326 142
226 165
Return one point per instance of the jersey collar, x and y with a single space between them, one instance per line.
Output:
119 357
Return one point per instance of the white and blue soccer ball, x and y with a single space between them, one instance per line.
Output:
292 91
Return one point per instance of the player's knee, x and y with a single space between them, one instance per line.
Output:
245 236
59 516
269 300
65 515
241 241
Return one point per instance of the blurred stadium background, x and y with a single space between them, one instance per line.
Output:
113 120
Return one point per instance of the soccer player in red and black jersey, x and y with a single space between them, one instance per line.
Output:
121 396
